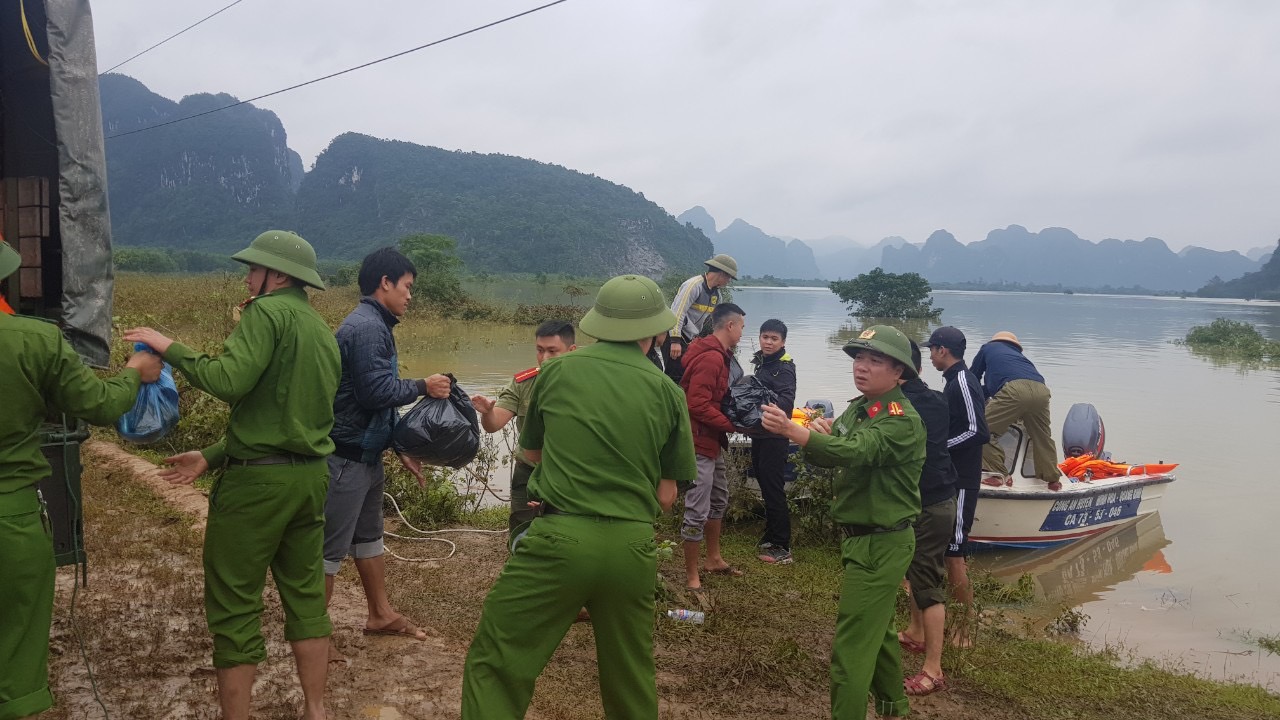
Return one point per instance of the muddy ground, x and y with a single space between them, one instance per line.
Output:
142 622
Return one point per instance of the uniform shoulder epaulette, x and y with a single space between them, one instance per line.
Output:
526 374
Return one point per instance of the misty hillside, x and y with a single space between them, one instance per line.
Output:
215 182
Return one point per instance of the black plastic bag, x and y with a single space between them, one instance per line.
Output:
742 405
440 431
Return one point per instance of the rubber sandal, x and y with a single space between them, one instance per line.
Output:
922 683
911 646
401 628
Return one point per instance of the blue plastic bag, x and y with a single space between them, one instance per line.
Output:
156 411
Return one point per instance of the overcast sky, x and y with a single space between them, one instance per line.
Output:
1126 119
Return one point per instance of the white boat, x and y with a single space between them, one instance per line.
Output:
1027 514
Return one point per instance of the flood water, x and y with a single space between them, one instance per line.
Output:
1193 584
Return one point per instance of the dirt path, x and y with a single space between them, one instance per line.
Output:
142 620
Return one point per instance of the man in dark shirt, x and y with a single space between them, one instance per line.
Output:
965 440
776 371
933 531
369 391
1016 392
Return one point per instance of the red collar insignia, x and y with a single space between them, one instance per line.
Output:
526 374
895 409
874 409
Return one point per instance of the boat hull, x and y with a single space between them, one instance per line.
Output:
1030 516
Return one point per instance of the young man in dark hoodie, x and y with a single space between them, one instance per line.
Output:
705 382
776 371
966 440
933 531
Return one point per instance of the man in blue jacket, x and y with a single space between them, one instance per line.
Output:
1016 392
364 410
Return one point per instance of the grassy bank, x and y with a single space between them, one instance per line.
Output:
763 651
761 654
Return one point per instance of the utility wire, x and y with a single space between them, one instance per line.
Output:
153 47
342 72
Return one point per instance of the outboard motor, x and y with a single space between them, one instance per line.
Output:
828 410
1083 432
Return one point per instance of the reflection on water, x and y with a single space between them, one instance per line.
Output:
1159 401
1082 571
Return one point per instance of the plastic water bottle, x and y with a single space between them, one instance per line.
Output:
691 616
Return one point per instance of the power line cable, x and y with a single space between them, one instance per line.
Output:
342 72
153 47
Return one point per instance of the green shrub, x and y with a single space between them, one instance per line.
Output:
1231 338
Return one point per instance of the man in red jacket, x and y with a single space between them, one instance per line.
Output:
705 382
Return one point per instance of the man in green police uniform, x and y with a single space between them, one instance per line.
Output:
552 339
879 442
279 370
41 373
610 435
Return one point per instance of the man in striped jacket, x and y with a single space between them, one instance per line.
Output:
966 439
693 304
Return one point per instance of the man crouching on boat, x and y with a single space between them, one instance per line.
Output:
879 443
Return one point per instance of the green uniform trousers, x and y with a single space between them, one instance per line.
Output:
26 605
1025 401
264 516
566 562
865 656
521 513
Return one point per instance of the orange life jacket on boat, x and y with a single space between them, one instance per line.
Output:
1086 466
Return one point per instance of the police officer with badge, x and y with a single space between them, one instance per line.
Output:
279 371
879 445
610 436
41 373
693 304
552 339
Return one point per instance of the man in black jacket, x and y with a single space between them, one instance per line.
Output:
966 439
933 531
776 371
369 392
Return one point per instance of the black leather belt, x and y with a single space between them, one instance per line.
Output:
285 459
860 530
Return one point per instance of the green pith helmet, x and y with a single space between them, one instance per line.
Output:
886 340
628 308
724 263
10 260
285 252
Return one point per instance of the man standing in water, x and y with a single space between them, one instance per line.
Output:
966 439
553 338
694 302
610 436
41 373
879 445
1016 393
279 371
364 409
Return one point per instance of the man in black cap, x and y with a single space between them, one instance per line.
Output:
966 439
